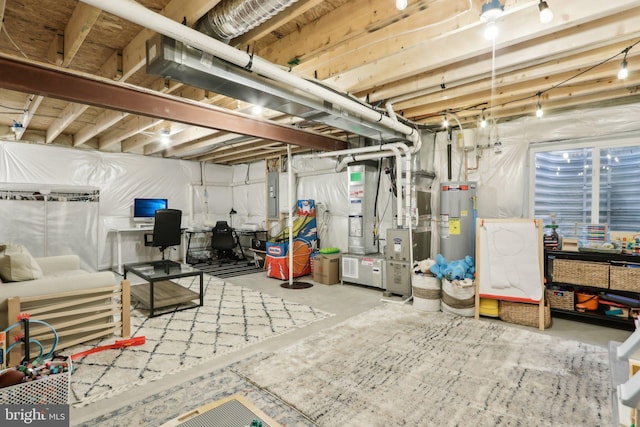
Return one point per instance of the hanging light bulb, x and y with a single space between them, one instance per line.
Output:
401 4
491 10
491 31
623 71
483 121
539 112
445 122
546 15
165 135
256 110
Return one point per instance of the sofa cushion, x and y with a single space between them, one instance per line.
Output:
17 264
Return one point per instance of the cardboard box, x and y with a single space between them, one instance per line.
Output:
326 268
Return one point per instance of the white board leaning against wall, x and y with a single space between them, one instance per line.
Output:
509 260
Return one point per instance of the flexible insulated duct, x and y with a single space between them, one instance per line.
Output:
232 18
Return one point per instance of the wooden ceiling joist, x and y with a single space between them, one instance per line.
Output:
429 58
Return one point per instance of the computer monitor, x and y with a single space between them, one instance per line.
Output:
145 209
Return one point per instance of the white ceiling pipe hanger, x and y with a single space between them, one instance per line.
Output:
138 14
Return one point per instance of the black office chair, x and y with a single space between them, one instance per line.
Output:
166 230
223 241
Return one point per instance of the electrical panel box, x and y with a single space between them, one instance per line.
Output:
273 203
362 193
368 270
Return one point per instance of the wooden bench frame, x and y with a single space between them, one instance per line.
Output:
85 306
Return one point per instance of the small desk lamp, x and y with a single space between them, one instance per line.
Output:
231 213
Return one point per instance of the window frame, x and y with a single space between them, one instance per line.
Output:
596 143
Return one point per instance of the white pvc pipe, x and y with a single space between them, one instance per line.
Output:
290 204
380 149
136 13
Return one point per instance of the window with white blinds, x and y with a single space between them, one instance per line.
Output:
568 182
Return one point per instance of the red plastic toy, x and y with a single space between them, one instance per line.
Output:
118 344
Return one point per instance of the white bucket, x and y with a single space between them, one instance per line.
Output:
427 292
458 299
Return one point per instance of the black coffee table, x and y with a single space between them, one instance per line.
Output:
160 291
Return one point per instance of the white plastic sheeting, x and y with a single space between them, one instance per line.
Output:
120 178
502 180
36 216
249 198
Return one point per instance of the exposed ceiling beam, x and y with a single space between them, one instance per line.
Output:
290 13
61 84
423 89
104 121
124 63
32 104
62 51
478 94
232 160
371 39
3 3
133 127
71 112
78 27
522 25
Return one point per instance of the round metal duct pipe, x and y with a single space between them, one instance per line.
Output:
232 18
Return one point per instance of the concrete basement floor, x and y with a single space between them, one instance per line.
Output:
344 301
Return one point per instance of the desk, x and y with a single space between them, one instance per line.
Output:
120 231
255 234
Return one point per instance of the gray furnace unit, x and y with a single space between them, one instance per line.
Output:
362 189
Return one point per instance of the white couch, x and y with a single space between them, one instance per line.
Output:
60 274
79 305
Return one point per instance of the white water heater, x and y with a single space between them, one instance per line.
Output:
457 220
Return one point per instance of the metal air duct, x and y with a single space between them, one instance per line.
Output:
232 18
174 60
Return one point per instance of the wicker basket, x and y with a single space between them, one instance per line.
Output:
522 313
585 273
561 299
624 278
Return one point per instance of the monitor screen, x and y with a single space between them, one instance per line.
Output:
146 208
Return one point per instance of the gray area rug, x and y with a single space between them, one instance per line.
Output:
232 317
395 366
168 404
